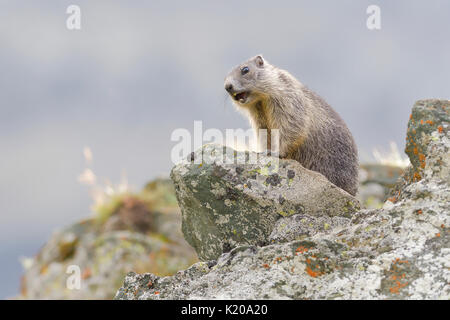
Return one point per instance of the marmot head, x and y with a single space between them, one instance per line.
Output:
245 82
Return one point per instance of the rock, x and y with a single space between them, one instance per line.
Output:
428 116
372 195
132 214
375 182
101 250
381 174
304 226
225 204
401 251
428 122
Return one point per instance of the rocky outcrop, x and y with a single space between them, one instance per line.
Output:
89 259
227 202
428 122
400 251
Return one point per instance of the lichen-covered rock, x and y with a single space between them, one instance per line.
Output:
429 121
100 252
401 251
304 226
427 116
225 204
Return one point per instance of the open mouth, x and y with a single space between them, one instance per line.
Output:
241 96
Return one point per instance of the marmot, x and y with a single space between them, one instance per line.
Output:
310 131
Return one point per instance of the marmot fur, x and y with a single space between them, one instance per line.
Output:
310 131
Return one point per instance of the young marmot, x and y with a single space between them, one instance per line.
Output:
310 131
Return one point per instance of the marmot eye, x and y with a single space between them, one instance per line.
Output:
244 70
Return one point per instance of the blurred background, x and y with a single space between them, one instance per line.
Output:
137 70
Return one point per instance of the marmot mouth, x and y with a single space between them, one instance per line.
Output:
241 96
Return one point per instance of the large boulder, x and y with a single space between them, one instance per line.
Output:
400 251
228 200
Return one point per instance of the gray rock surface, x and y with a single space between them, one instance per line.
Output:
225 204
400 251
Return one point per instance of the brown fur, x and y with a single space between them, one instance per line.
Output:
311 132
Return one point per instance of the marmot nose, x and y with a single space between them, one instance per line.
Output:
229 87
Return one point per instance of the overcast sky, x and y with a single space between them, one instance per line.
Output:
137 70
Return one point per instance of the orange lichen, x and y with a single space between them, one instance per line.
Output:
156 292
419 211
416 151
278 259
392 199
301 249
422 160
429 122
421 121
397 260
312 273
417 176
438 235
86 273
398 276
397 287
266 266
440 129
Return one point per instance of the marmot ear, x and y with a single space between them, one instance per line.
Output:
259 60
